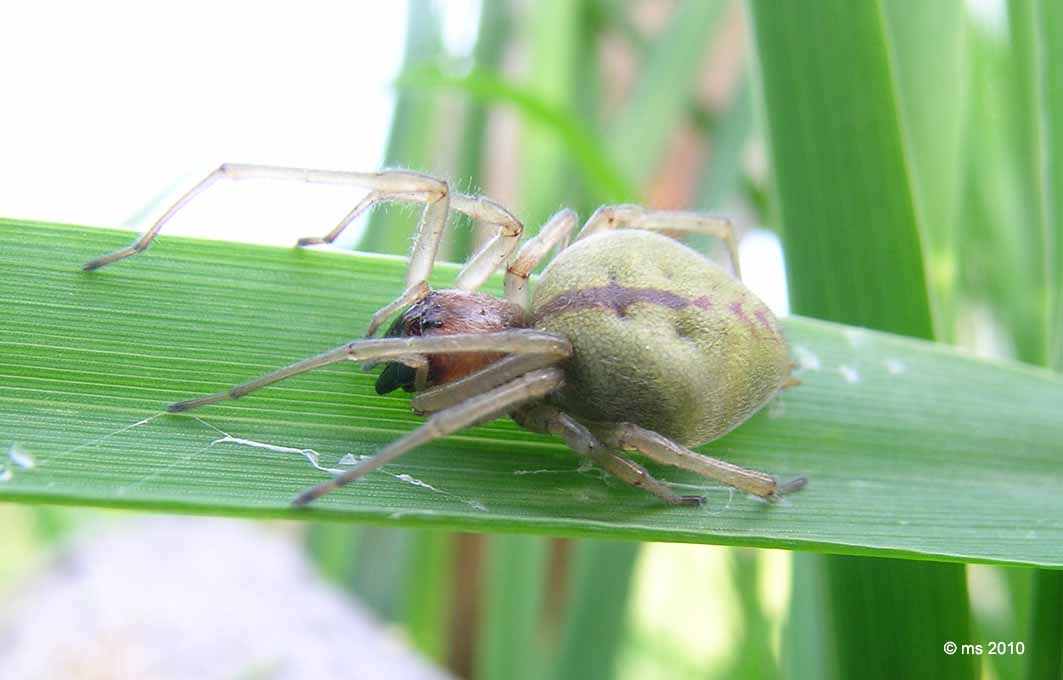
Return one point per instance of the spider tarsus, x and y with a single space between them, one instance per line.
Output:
187 404
103 260
310 241
795 484
306 497
692 501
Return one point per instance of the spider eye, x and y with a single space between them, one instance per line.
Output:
431 323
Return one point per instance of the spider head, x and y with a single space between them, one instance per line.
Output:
447 312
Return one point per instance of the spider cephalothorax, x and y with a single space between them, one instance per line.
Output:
448 312
631 342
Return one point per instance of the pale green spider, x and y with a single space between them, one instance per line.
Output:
632 341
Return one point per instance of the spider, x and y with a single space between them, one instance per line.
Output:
631 341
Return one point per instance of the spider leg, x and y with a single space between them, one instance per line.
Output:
387 185
664 450
473 411
555 232
494 374
520 341
549 420
497 250
637 217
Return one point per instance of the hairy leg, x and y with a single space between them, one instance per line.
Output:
387 185
521 341
550 420
663 450
473 411
554 233
637 217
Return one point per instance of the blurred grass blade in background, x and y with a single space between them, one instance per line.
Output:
852 238
596 612
510 640
661 96
587 149
426 602
1037 27
1037 30
809 646
929 49
555 33
494 36
1000 256
1051 70
849 231
722 175
414 138
753 657
1034 95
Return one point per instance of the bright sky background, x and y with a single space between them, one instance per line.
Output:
113 108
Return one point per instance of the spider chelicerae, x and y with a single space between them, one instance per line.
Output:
630 342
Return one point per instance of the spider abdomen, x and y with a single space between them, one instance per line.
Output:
661 337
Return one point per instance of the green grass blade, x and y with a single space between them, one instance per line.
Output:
588 150
1038 29
1030 95
722 175
929 47
842 176
1050 29
509 643
1046 627
376 576
753 657
662 94
900 612
853 244
1000 255
809 648
911 448
595 616
1000 602
494 36
334 549
554 34
426 601
415 130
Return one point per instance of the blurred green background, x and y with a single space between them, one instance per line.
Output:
904 153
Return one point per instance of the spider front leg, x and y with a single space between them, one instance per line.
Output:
637 217
387 185
550 420
394 185
520 341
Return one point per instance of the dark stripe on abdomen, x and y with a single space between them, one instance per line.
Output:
617 299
